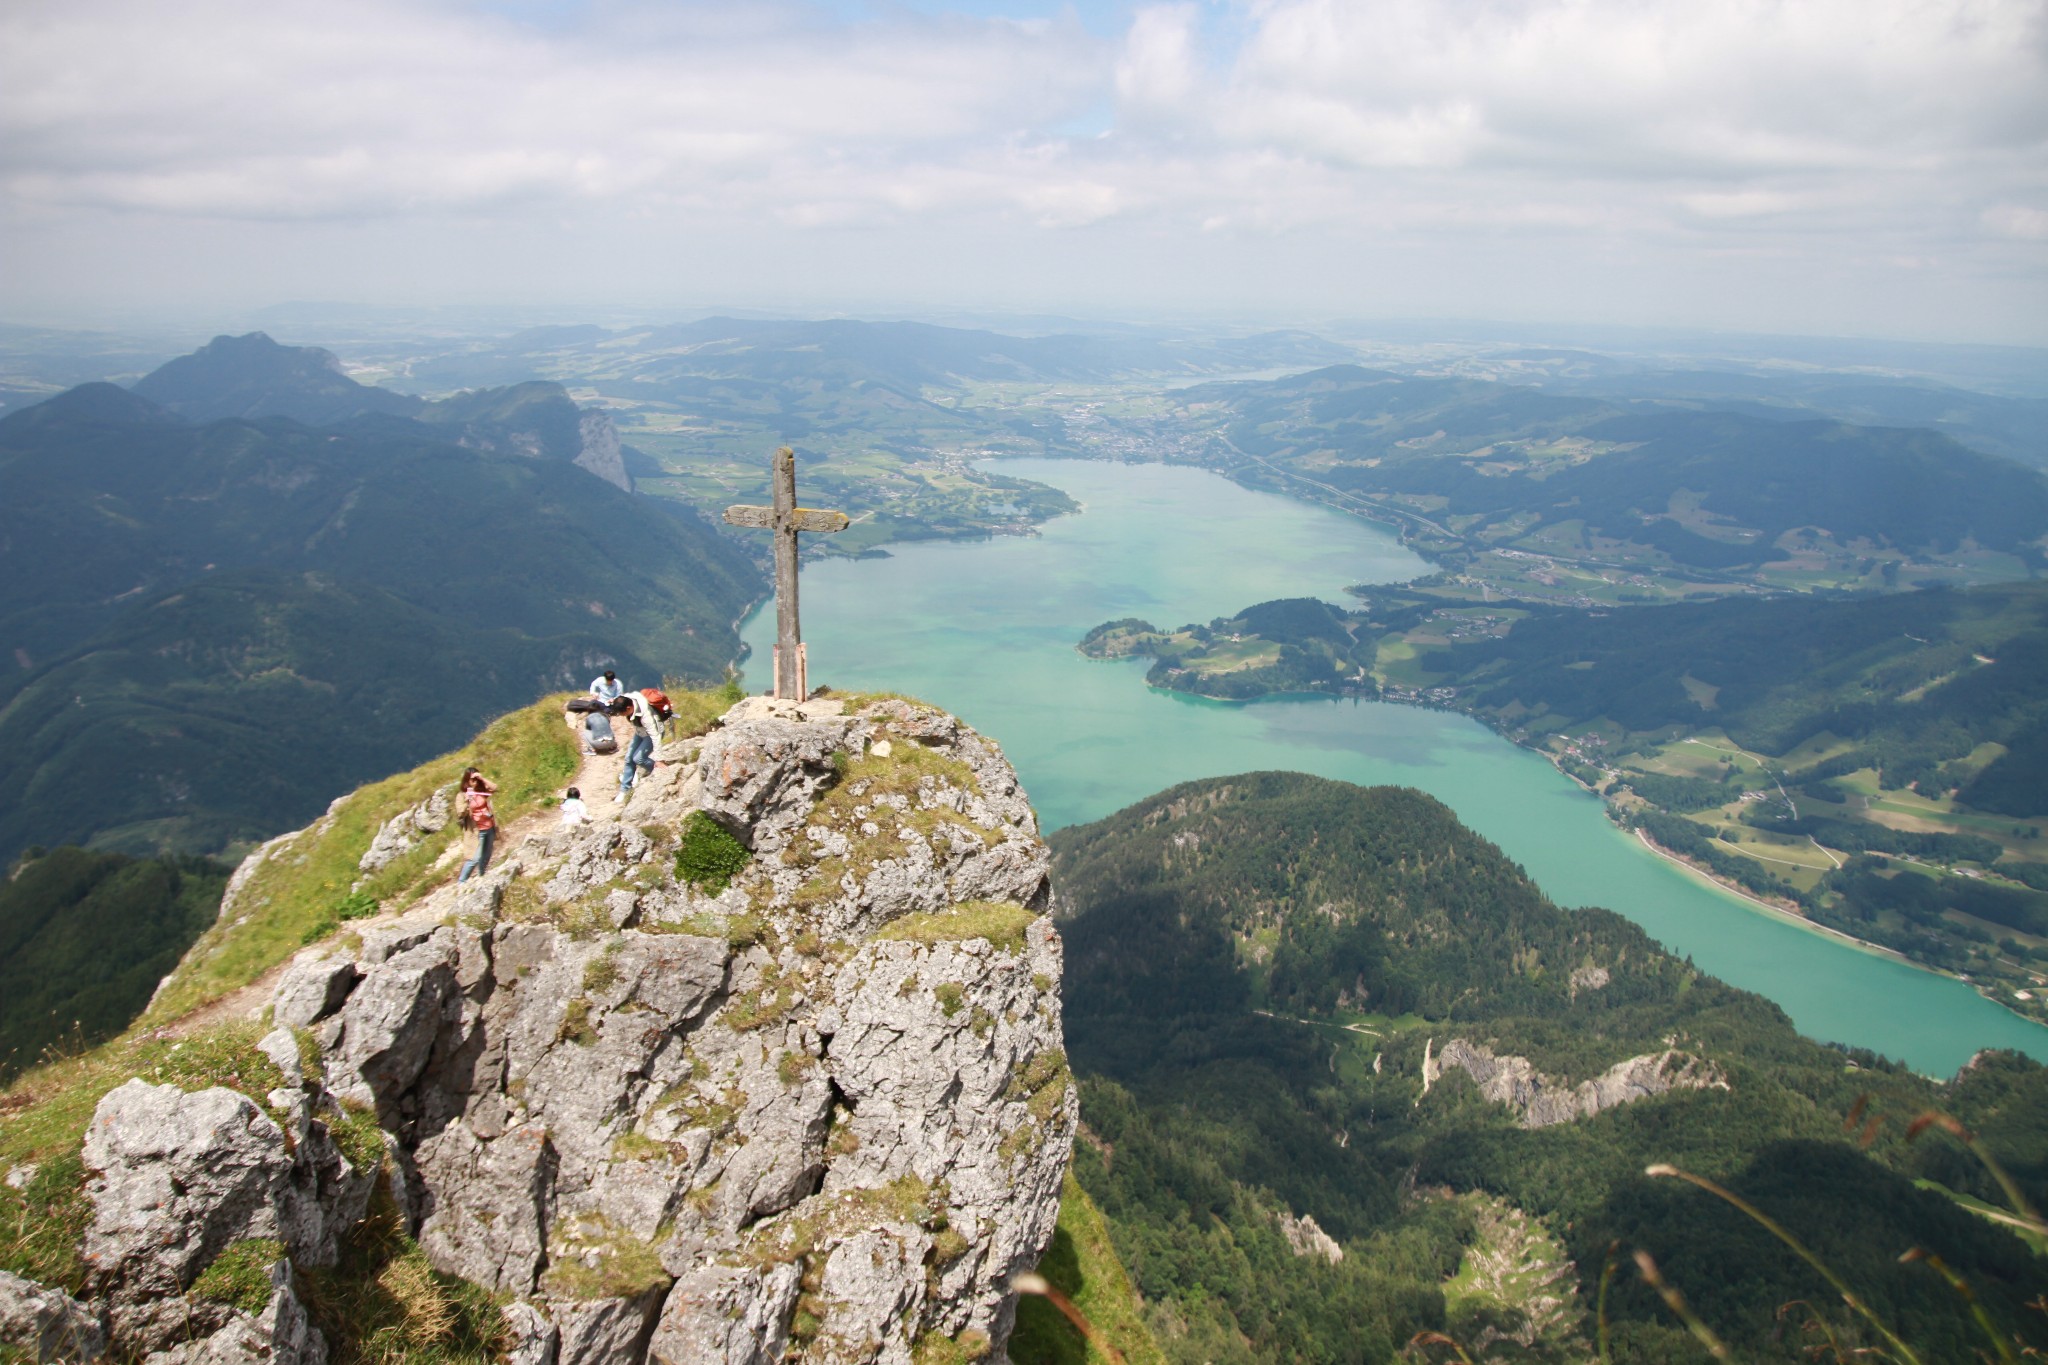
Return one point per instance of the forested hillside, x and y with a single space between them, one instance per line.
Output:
1917 683
84 939
224 621
1258 967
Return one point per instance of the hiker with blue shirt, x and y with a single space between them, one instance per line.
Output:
608 688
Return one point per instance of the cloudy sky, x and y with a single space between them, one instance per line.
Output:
1862 167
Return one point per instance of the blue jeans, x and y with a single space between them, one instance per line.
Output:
481 863
639 758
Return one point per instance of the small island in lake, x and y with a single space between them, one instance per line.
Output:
1297 644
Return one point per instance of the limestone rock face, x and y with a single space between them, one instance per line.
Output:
819 1113
177 1178
1305 1237
601 453
403 831
45 1324
1542 1101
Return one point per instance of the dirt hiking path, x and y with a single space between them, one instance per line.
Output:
597 777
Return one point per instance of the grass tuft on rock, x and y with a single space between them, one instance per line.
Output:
240 1275
1002 923
358 1137
382 1303
595 1258
577 1025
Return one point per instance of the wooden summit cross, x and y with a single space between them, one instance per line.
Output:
785 519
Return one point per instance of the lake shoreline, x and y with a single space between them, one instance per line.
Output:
1782 913
987 630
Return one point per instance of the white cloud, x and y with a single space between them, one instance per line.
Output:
1863 130
1158 68
292 108
2017 220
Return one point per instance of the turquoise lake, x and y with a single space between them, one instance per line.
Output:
987 629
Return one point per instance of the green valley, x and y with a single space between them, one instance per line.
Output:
887 417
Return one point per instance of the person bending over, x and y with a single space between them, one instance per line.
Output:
640 750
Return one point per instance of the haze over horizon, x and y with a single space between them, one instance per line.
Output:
1872 169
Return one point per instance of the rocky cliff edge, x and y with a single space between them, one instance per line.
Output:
767 1066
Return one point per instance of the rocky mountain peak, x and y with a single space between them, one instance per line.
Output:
766 1066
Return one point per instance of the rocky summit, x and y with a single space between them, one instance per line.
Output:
767 1067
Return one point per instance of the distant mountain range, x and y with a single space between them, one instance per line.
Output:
250 580
1503 465
901 355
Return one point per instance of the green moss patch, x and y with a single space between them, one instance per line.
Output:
595 1258
240 1275
710 857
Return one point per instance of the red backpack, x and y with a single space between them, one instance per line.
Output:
658 699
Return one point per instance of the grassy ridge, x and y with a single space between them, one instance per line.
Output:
296 892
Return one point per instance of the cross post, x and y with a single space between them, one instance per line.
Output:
785 519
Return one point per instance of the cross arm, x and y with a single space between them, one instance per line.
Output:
801 518
809 519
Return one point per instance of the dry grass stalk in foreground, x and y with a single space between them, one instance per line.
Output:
1039 1285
